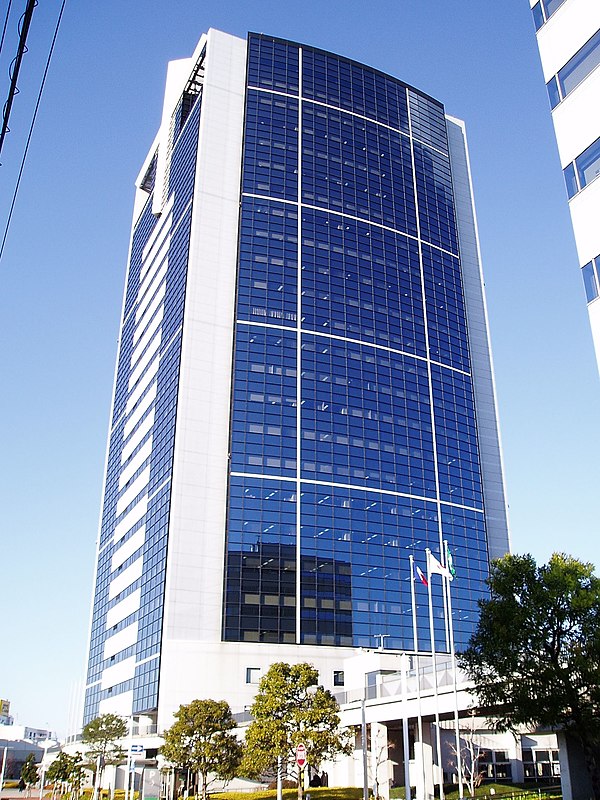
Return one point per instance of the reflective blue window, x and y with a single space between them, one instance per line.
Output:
264 402
588 164
260 597
583 170
446 316
353 87
271 145
355 166
543 10
435 198
366 418
456 438
362 282
553 92
272 64
590 280
575 70
571 180
268 262
538 15
427 121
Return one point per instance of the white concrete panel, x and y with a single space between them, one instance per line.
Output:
123 609
137 437
479 345
121 640
125 578
577 119
132 518
148 297
158 234
148 335
153 266
585 215
222 666
147 292
139 484
142 320
122 671
156 270
152 323
567 30
145 360
135 463
194 582
139 411
121 704
139 390
128 549
594 312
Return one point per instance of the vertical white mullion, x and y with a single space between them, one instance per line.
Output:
432 413
298 361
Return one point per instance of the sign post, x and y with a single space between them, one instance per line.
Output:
301 756
301 762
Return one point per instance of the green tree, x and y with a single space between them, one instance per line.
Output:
200 740
100 737
535 656
291 708
68 771
29 770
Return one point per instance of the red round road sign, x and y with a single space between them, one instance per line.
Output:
301 755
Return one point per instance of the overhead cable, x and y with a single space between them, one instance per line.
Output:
24 24
5 24
37 105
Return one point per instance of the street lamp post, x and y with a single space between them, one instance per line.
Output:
3 767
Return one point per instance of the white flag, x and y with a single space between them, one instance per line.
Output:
434 566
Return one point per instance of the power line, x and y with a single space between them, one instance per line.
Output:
5 24
37 105
24 23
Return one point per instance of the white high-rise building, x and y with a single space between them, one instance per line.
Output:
303 394
568 35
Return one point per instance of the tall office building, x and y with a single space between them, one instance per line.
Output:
303 395
568 34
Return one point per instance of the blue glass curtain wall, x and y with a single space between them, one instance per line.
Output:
354 439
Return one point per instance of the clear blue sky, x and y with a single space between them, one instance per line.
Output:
62 274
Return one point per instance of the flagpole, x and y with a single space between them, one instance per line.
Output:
438 742
447 623
417 671
455 679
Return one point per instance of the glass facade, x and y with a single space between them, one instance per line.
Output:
354 437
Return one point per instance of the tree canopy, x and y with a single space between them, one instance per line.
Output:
101 735
200 740
535 656
291 708
67 770
29 770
